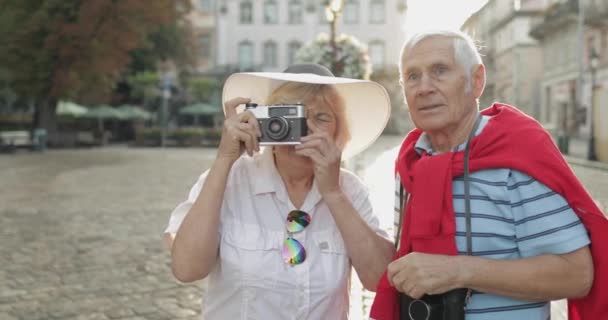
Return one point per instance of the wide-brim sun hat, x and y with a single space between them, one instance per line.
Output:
367 104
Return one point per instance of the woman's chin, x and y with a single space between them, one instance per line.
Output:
294 159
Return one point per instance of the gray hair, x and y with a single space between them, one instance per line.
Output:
466 53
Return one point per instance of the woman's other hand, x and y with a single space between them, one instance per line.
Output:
321 148
240 133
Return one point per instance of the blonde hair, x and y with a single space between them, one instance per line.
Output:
323 94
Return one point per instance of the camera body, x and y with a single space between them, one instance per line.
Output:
282 124
446 306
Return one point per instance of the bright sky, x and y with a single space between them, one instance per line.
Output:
435 14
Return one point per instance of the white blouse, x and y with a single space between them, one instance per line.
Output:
251 280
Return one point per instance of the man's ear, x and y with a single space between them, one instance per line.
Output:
478 80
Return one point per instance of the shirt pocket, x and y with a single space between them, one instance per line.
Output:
250 255
333 256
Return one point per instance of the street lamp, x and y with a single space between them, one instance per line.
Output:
164 113
593 64
332 13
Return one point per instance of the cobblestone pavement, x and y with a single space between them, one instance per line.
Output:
81 233
80 230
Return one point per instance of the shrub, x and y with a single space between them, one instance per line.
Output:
352 60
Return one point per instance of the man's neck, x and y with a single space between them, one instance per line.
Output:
446 140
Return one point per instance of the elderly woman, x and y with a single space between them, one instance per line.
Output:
276 232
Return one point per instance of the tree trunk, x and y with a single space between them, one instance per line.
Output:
45 118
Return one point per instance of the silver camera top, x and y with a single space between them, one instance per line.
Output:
277 110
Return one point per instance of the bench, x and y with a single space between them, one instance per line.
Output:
11 140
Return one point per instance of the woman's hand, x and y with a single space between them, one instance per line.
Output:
321 148
240 133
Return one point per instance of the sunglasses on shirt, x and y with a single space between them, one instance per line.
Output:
293 251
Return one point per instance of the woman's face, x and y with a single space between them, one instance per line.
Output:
319 116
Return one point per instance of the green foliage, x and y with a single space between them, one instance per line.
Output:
167 42
213 133
202 89
75 49
144 86
183 135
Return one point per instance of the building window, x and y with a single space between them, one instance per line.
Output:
292 50
245 55
516 5
271 12
246 13
295 12
205 43
376 11
351 12
205 5
270 54
322 14
376 53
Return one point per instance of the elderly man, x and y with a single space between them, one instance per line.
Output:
492 219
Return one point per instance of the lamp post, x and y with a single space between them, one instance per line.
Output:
332 13
593 63
166 95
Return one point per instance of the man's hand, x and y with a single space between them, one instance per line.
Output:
416 274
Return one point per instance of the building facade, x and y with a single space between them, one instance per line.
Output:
264 35
202 19
512 57
572 89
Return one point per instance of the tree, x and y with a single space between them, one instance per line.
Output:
144 87
203 89
67 49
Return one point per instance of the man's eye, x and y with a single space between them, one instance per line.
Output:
412 76
440 70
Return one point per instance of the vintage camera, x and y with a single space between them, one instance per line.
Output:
282 124
447 306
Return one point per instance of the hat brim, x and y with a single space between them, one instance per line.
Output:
367 103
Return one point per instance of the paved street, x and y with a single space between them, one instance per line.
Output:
81 229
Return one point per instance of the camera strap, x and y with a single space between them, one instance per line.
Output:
467 197
403 197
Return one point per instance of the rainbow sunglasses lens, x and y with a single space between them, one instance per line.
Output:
297 220
293 251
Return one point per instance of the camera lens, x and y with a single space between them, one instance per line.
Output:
277 128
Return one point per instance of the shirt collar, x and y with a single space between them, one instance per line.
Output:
424 143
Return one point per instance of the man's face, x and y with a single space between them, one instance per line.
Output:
435 86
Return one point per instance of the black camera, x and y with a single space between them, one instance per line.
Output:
282 124
446 306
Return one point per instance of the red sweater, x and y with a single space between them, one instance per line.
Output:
510 139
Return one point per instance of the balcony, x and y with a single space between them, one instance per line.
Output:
555 16
596 13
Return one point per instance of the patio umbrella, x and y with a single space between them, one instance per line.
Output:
102 113
70 109
200 109
129 112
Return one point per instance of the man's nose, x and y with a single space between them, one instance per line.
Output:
427 85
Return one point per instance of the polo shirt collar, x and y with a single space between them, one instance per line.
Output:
424 143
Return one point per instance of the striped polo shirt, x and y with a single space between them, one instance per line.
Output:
513 216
